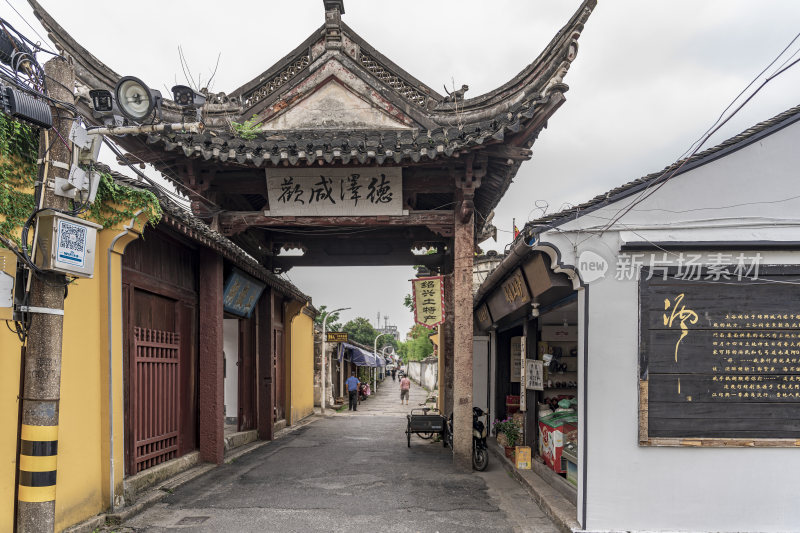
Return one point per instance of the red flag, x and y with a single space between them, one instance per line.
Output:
516 231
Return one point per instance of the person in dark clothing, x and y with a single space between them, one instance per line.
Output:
394 374
352 384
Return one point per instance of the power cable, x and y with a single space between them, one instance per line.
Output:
664 178
37 46
671 172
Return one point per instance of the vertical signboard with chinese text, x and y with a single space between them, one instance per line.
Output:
335 191
534 374
516 359
719 358
428 294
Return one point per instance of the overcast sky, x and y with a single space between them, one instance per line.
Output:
649 79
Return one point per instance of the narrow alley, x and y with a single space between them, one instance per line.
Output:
349 471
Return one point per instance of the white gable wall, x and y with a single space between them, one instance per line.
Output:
736 198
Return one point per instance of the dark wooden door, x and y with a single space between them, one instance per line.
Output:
160 298
247 375
279 387
187 326
155 383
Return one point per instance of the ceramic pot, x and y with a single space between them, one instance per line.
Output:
509 452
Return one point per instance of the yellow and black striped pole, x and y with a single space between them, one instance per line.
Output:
38 445
37 464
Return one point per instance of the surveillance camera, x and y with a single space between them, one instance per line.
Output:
187 97
102 100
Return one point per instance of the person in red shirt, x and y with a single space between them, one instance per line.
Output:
405 386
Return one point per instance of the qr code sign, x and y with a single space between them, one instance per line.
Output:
71 247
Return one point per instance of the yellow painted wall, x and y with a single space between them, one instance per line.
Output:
83 485
302 367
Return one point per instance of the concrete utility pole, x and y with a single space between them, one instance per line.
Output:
323 373
375 353
36 497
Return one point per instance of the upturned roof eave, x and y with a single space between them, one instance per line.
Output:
547 70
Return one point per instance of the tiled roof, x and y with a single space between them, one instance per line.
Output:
736 142
189 225
388 146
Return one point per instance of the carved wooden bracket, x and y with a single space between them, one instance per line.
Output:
468 183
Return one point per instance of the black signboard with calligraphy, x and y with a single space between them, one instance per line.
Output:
719 358
510 296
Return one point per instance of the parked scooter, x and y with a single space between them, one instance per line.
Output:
480 430
480 453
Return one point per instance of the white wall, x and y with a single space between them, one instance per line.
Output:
230 345
424 373
631 487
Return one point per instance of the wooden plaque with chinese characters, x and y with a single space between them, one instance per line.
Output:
428 301
363 191
719 359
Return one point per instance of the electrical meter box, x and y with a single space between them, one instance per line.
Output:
65 244
8 275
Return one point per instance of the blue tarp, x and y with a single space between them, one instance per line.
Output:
356 355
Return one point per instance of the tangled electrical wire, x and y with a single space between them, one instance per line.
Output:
19 67
18 59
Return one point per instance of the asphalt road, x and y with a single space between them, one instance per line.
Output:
349 472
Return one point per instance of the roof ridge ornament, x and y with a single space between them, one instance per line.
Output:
334 9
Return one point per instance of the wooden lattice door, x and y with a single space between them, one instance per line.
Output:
155 381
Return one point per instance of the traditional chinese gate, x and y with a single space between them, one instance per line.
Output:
155 383
356 163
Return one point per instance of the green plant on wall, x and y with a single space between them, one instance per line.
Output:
19 145
18 150
248 130
117 203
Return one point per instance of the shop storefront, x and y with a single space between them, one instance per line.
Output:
677 312
530 316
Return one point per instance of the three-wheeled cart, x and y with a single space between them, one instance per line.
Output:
426 422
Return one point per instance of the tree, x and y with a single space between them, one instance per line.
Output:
408 302
333 321
419 345
361 331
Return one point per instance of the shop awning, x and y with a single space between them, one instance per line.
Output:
381 361
356 355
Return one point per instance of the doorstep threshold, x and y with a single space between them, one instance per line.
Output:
557 506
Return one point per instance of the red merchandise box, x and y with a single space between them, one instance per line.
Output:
551 438
512 404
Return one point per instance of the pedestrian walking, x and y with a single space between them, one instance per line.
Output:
405 386
394 374
352 392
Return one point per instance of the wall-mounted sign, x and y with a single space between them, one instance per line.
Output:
335 191
8 275
534 374
510 296
336 336
516 359
241 293
483 317
719 362
428 295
